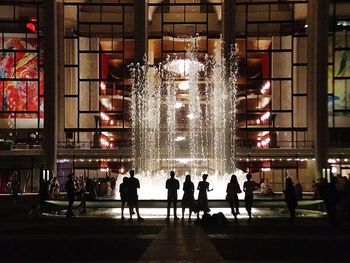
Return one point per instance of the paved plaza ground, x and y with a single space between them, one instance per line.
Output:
100 236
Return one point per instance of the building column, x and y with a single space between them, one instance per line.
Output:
228 29
50 86
140 49
61 72
140 30
317 80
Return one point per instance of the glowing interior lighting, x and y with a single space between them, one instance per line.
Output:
180 138
184 85
31 26
104 142
190 116
265 88
103 86
106 103
104 116
182 66
306 26
183 160
343 23
265 116
178 105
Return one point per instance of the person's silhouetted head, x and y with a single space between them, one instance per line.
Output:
188 178
233 179
125 179
132 173
205 176
289 181
70 176
249 176
172 174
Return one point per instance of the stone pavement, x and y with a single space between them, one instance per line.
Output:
100 236
87 239
181 243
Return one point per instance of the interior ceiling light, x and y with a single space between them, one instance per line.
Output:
184 85
190 116
182 66
343 23
180 138
178 105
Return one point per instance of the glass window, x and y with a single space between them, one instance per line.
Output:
21 72
98 47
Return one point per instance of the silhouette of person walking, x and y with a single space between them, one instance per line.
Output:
290 197
70 188
328 192
232 190
172 185
249 187
132 197
298 190
123 190
188 197
202 202
82 194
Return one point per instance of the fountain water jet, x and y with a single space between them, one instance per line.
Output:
183 119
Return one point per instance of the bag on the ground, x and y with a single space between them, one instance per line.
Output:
219 218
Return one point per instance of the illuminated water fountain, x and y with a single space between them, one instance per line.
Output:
183 119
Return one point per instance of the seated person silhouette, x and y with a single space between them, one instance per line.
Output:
266 188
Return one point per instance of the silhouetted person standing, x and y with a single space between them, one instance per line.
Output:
249 187
70 188
188 197
298 190
202 202
290 197
123 190
232 190
172 185
328 192
133 184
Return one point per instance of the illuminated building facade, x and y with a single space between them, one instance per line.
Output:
65 82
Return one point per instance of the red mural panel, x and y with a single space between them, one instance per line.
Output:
16 92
